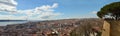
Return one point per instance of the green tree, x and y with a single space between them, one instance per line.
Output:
112 10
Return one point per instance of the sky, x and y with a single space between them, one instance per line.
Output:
50 9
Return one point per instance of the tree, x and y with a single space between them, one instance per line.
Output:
110 11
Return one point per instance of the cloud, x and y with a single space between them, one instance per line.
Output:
9 2
55 5
8 6
94 12
41 12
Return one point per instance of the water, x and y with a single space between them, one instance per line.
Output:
11 22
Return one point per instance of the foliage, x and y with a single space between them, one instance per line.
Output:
112 10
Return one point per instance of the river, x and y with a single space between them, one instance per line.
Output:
11 22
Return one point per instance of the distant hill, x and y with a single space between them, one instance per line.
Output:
10 20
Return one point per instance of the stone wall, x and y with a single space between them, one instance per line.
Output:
111 28
106 29
114 27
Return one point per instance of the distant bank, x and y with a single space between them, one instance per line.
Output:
11 20
8 22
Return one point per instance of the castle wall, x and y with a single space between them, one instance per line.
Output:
106 29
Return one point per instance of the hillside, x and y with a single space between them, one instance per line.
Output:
86 26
